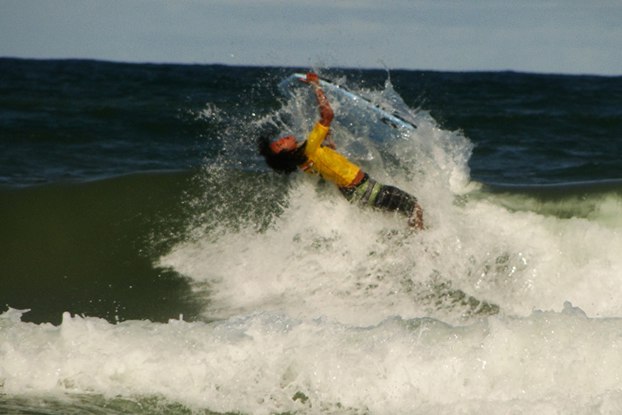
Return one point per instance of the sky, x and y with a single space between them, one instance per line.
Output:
545 36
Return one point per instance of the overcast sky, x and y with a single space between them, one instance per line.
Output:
550 36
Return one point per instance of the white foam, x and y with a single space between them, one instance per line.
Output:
268 362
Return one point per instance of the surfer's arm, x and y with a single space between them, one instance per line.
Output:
316 138
326 112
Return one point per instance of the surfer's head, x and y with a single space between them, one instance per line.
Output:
287 143
282 155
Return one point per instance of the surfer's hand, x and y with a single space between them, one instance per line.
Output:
326 112
312 79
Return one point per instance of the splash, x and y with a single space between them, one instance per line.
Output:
295 246
317 255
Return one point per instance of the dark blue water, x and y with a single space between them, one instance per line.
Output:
81 120
530 128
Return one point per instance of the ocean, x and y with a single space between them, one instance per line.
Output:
151 263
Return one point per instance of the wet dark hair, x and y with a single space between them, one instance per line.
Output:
285 161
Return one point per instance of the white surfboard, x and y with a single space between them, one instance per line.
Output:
354 112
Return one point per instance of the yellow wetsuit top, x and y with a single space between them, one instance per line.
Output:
327 162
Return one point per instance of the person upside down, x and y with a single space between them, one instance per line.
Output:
317 155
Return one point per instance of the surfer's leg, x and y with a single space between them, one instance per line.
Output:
391 198
416 217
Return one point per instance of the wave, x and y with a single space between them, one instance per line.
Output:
251 292
599 201
487 249
272 363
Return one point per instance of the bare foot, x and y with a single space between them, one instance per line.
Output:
416 218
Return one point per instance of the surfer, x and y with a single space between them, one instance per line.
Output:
318 155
